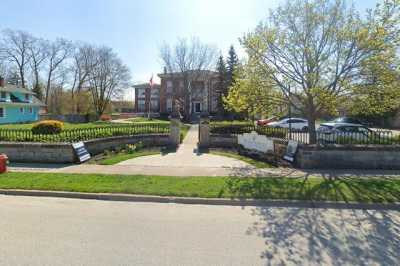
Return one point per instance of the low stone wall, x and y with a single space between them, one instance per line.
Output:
97 146
38 152
63 152
348 157
223 141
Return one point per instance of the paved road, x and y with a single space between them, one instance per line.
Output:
50 231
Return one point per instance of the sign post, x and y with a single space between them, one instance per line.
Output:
81 151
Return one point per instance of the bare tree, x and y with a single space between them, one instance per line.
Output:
108 78
83 61
15 48
58 51
187 59
38 51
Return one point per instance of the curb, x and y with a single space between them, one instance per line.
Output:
203 201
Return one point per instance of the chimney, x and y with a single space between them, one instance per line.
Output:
1 81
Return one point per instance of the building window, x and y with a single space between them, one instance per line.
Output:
169 105
21 110
3 95
142 93
30 110
169 86
155 93
141 106
2 112
27 97
155 105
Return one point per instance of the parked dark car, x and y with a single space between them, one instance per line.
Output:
349 120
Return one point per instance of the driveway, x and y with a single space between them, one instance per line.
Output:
55 231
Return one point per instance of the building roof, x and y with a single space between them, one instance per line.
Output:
15 88
193 72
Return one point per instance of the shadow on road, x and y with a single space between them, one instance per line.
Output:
306 236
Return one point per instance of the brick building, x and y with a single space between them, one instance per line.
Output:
200 95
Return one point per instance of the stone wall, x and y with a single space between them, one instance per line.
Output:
348 157
223 141
97 146
38 152
63 152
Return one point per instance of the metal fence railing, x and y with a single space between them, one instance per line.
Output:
350 138
83 134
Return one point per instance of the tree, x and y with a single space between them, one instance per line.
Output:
187 59
38 53
313 50
58 51
14 47
108 78
232 62
221 86
84 61
253 93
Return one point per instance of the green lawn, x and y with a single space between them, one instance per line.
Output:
346 189
251 161
116 158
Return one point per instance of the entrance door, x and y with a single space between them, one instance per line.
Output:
197 107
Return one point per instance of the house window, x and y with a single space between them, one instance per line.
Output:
155 93
142 93
141 106
154 105
2 112
21 109
3 95
169 105
27 97
169 86
30 110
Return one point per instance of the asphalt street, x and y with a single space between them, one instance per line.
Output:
56 231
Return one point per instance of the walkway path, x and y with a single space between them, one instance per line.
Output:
187 156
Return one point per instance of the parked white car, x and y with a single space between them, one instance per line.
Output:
295 124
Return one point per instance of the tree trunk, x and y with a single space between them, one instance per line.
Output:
21 73
311 128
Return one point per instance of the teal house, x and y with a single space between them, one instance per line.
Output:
17 104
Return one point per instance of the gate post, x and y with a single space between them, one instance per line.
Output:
204 132
175 132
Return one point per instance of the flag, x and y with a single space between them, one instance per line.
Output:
151 81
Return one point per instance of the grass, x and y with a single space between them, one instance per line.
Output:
251 161
347 189
116 158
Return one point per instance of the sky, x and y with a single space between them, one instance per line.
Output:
137 29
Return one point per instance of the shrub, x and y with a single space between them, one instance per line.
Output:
105 117
47 127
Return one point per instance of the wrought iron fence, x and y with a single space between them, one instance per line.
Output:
378 137
83 134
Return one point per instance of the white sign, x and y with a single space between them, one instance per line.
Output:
291 150
253 141
81 151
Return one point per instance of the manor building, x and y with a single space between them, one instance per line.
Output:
191 92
